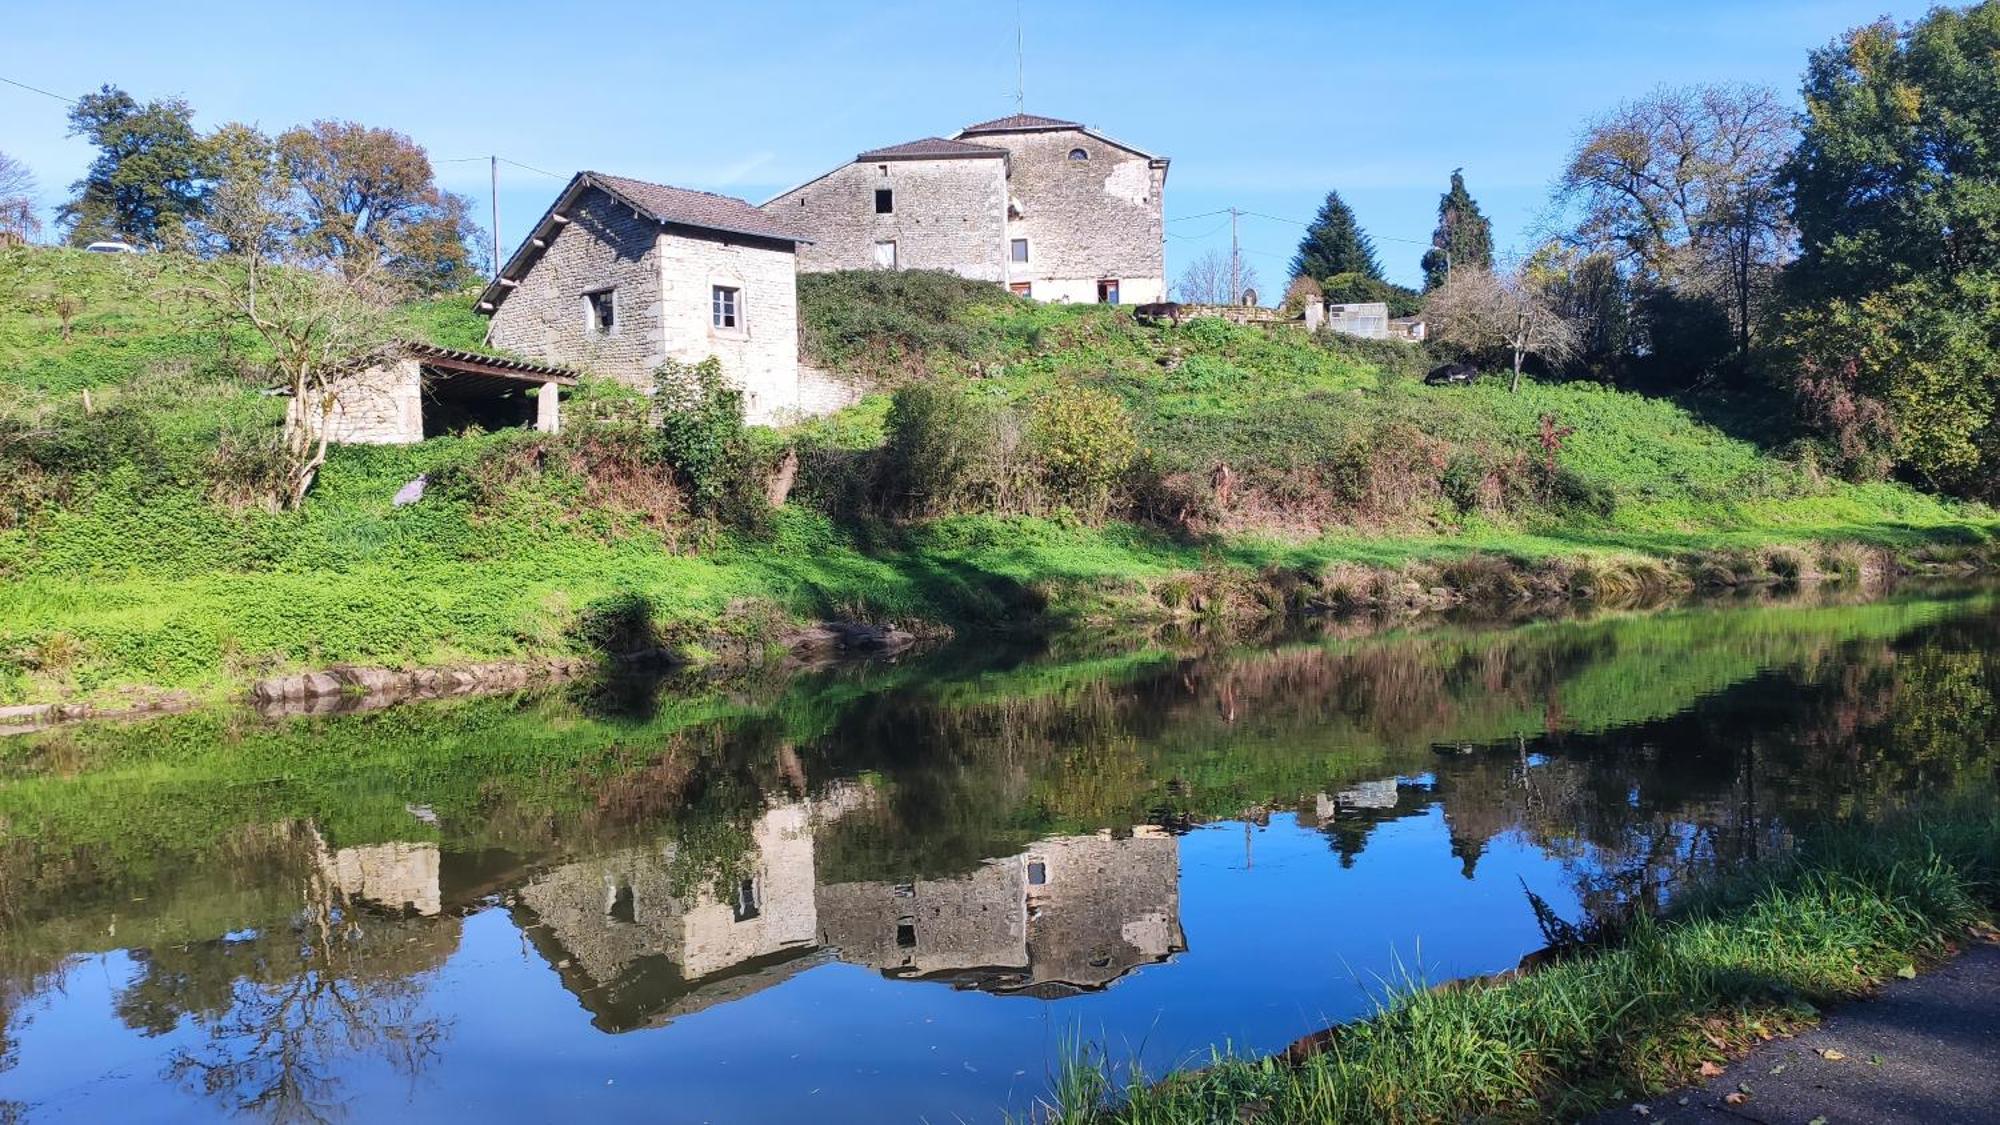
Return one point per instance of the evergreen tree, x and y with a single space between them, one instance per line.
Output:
1464 237
1335 244
151 172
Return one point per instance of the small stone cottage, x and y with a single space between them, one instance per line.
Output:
621 275
1052 209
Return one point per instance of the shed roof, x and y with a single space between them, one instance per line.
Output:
930 148
666 205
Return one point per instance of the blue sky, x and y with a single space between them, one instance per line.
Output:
1261 106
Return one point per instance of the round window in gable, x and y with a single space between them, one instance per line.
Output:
1078 154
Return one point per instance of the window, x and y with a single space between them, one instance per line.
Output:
906 932
728 312
747 906
1021 288
1018 249
1078 155
885 201
601 311
1107 291
885 254
1038 873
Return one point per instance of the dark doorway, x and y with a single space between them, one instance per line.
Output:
455 402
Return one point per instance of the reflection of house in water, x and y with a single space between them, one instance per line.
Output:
1348 817
635 953
1071 913
394 876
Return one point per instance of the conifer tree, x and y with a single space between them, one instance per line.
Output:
1335 244
1464 237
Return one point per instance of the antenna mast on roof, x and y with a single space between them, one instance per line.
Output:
1020 68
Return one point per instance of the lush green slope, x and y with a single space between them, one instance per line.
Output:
138 547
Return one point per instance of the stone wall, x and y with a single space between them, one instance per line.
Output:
761 354
604 245
1085 220
380 406
949 215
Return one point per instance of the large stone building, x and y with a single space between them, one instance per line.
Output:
621 275
1052 209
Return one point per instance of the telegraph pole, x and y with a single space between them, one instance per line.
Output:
1235 261
493 162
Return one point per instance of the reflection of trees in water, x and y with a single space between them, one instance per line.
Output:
286 1010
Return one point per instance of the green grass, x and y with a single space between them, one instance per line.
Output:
1753 954
125 563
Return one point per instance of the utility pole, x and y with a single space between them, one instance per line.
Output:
1235 261
493 162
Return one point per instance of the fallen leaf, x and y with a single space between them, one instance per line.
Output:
1817 1121
1736 1099
1780 1068
1643 1110
1831 1055
1710 1070
1743 1087
1907 972
1874 1060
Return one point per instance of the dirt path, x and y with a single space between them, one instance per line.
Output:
1925 1051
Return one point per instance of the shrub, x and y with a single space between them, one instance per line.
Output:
939 442
1394 357
701 434
1084 441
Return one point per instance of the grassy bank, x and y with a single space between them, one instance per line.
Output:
141 549
1735 962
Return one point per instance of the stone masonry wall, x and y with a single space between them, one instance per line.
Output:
380 406
604 245
949 215
761 355
1085 219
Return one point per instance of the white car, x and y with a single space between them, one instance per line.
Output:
111 248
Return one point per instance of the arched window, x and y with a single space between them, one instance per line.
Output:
1078 154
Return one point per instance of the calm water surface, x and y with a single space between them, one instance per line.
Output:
900 892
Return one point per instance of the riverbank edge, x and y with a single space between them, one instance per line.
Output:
1224 598
1657 1004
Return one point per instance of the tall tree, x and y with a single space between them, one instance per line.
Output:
17 199
1463 239
368 198
1335 244
1895 297
1682 187
150 177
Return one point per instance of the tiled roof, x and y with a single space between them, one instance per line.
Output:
693 208
1018 123
932 148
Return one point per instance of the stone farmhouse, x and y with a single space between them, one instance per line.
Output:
1052 209
621 275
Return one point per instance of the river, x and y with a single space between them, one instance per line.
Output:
903 891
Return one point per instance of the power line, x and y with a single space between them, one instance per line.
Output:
532 168
39 90
1197 237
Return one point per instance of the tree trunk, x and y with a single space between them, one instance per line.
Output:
1515 386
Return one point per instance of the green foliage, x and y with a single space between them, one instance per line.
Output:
1893 337
1084 439
941 440
701 431
149 179
1464 236
881 319
1335 244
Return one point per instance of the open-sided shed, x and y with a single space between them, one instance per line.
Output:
423 391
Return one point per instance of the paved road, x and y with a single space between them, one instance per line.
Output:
1924 1051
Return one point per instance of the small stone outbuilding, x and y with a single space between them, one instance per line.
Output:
418 391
